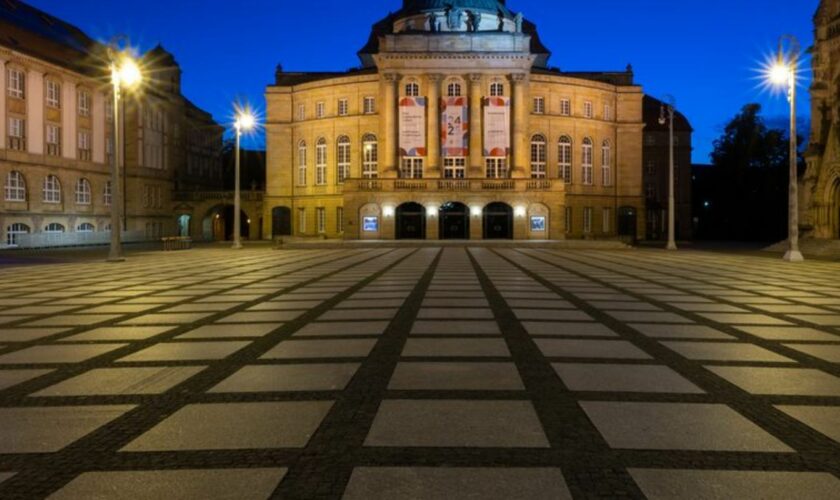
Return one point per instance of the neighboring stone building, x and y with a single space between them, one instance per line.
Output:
820 186
454 127
56 122
656 161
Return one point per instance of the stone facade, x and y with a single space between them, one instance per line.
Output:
55 153
572 167
820 186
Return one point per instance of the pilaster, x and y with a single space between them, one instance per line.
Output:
476 153
433 126
389 124
34 112
521 115
3 97
69 117
98 116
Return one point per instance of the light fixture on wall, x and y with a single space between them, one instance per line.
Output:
520 211
476 211
388 211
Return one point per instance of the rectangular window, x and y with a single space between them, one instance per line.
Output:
106 195
343 107
16 83
109 110
587 220
568 220
321 164
565 107
339 220
587 109
301 112
53 94
301 220
454 168
607 222
321 219
411 168
84 145
496 168
607 112
320 110
587 164
53 140
17 134
651 168
564 163
650 191
370 105
343 157
539 105
84 103
301 178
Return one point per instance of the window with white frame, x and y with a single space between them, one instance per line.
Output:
52 189
608 112
85 227
587 109
109 110
496 168
83 192
320 109
16 83
565 107
343 159
301 220
538 157
411 168
412 89
587 220
497 89
106 194
606 224
339 220
539 105
453 89
369 105
586 161
564 158
14 232
454 168
54 228
321 219
15 188
301 112
17 133
84 103
569 221
84 145
301 177
53 94
343 107
321 162
606 163
370 157
53 140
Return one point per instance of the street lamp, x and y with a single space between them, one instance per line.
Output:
245 121
669 110
783 74
125 75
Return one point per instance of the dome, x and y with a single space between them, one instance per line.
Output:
494 6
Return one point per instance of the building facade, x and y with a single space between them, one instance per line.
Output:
56 128
819 191
454 127
656 161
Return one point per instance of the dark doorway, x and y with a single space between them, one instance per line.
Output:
627 220
281 221
498 222
227 224
454 221
411 222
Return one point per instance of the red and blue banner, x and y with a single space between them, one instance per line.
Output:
496 126
455 127
412 126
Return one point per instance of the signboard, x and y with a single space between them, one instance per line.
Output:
413 126
455 126
370 224
538 224
496 126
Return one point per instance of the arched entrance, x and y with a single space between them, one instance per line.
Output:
454 221
184 222
219 223
498 221
281 221
411 222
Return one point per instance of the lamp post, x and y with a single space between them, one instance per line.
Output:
245 121
125 74
783 74
667 116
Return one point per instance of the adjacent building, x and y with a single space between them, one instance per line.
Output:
56 119
455 127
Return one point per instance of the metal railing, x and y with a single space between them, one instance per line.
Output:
453 185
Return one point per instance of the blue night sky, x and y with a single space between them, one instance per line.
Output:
704 52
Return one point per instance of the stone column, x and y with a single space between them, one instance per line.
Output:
476 140
433 127
69 119
3 118
34 112
390 124
521 114
98 117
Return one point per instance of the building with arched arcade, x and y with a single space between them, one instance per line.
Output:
455 127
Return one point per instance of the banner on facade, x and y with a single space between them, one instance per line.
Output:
413 126
496 126
455 126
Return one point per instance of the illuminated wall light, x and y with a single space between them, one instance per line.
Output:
476 211
520 211
388 211
432 210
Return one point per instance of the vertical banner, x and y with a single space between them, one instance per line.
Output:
455 126
496 126
413 126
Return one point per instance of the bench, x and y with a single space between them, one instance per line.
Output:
174 243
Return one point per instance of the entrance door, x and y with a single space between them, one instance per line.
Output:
498 222
281 221
454 222
411 222
627 222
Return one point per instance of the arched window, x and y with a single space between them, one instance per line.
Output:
342 153
586 161
106 194
54 228
301 178
564 158
83 192
412 89
606 163
321 162
370 157
52 189
497 89
538 157
14 231
85 227
15 186
453 89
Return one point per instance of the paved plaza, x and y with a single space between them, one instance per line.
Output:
386 373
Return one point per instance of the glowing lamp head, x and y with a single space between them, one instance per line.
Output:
780 73
246 121
127 73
